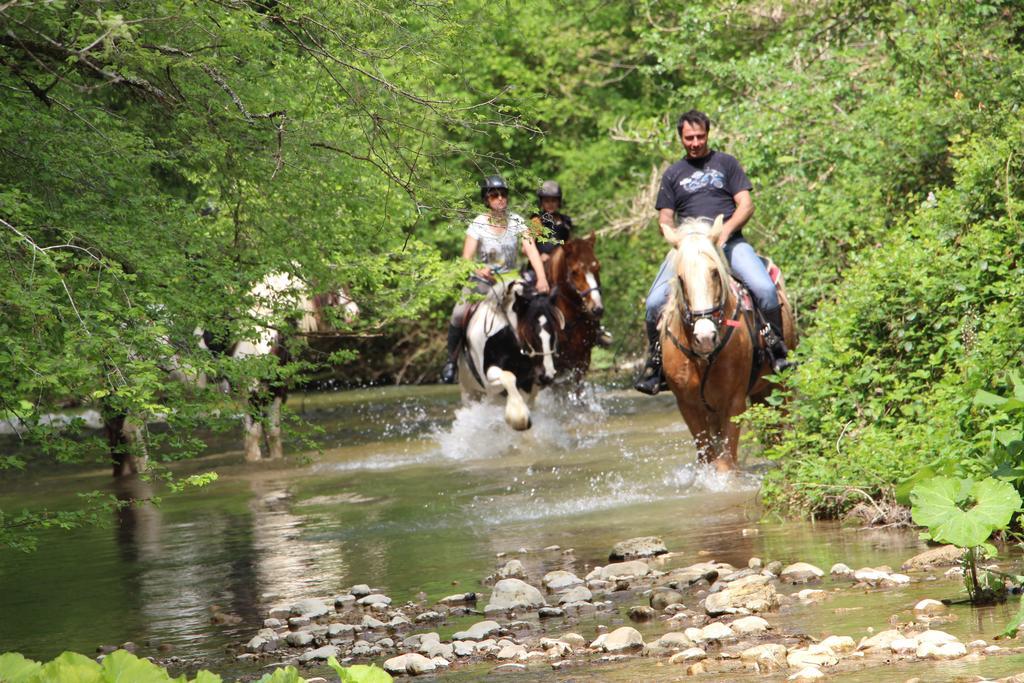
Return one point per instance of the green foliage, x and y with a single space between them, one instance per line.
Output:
359 673
71 667
963 512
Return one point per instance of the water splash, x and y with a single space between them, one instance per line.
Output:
479 432
703 477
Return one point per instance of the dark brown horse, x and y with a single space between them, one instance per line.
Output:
711 346
575 273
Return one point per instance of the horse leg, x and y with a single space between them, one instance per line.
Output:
274 429
517 414
696 419
252 420
137 457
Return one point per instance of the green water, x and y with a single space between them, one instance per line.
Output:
412 493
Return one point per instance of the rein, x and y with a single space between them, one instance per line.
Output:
714 313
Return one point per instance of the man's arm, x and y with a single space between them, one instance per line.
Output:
744 210
667 223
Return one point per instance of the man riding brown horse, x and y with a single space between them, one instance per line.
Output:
705 184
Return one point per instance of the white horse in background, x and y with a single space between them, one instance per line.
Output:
282 305
509 348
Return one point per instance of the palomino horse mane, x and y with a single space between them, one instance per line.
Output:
698 251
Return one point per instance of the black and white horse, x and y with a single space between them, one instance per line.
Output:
282 306
509 349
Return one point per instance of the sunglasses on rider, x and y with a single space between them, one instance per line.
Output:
491 194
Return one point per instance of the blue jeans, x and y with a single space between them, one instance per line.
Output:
746 266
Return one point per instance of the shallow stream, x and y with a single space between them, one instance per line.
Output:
412 493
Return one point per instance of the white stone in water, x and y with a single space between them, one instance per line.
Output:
896 580
904 646
809 673
948 650
512 652
514 594
870 576
674 641
634 569
812 595
840 569
299 638
749 625
977 645
445 650
767 657
440 662
487 647
936 637
478 631
463 648
325 652
374 599
755 563
513 569
800 572
359 590
693 633
575 594
716 630
839 644
634 548
309 608
880 640
425 641
929 607
692 654
813 655
574 639
560 580
623 638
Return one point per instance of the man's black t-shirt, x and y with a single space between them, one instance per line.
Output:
703 188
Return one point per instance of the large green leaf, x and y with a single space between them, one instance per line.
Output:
14 668
288 674
69 667
964 513
360 673
122 666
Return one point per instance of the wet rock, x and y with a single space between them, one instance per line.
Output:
341 630
444 650
929 607
750 594
716 630
550 612
509 669
663 597
459 599
399 622
811 595
641 613
514 594
440 662
478 631
513 569
949 650
325 652
870 576
692 654
801 572
750 625
309 608
298 622
463 648
272 623
904 646
260 644
428 617
977 645
299 638
808 673
576 594
599 584
360 590
674 640
636 548
755 563
344 602
578 608
839 644
812 655
774 567
560 580
768 657
621 639
411 663
840 569
574 639
634 569
942 556
895 580
880 640
374 599
371 623
512 652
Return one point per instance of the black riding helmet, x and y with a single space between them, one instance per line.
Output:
491 182
549 189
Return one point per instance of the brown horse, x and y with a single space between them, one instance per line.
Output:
575 273
712 348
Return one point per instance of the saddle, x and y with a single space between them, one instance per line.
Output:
743 294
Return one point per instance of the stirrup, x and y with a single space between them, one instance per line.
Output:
604 338
450 372
652 380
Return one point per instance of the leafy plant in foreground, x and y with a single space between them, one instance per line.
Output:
965 513
359 673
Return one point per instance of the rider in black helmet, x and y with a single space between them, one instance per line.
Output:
492 239
556 228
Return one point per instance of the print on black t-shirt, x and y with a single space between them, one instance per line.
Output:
702 188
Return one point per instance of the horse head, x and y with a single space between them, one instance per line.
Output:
700 290
582 273
538 322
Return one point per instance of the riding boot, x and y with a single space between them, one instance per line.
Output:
652 379
603 338
450 371
774 340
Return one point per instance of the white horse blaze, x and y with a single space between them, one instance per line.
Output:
595 292
704 332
